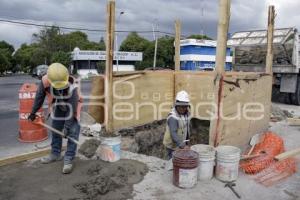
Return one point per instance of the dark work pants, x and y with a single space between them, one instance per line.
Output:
170 153
58 123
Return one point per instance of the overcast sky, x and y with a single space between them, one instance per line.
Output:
197 16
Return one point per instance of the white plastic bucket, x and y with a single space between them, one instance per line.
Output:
206 161
228 158
110 148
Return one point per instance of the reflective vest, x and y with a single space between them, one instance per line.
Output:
50 97
182 131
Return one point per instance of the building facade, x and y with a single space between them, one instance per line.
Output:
86 63
201 55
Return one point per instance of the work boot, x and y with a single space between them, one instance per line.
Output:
50 158
68 167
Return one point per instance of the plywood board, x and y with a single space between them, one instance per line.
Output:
142 99
200 87
246 100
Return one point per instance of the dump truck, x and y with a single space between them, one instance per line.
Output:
249 49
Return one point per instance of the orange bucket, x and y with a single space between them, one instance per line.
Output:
28 131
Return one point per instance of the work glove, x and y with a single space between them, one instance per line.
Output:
32 117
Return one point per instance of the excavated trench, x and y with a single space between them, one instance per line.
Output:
148 139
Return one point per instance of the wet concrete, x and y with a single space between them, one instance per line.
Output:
89 180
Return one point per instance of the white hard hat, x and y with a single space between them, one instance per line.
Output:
182 98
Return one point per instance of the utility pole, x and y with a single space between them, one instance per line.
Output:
116 44
155 38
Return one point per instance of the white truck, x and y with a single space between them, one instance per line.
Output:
249 50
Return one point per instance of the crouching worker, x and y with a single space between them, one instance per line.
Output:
64 106
177 131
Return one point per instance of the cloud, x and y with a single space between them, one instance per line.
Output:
197 16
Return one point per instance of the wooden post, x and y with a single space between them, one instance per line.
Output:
216 123
110 30
271 19
177 44
224 16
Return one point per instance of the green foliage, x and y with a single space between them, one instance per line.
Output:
200 37
134 42
50 45
6 59
165 50
61 57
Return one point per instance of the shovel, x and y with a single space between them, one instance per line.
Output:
254 140
56 131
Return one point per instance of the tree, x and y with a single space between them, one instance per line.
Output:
134 42
102 46
200 37
6 59
29 56
3 61
61 57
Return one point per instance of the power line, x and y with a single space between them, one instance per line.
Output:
81 29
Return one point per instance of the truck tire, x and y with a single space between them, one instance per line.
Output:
295 97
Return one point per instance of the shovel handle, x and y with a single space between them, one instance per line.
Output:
252 147
56 131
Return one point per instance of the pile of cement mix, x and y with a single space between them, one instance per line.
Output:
89 147
112 180
279 114
89 180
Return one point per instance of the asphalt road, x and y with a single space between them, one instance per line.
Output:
9 108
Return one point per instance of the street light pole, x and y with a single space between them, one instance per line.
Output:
155 48
116 44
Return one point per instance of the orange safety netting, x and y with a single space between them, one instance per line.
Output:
270 146
267 170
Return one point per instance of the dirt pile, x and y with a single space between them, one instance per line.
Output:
148 139
90 180
279 114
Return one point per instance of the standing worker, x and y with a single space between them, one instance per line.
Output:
64 107
178 121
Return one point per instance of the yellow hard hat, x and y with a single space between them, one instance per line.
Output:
58 76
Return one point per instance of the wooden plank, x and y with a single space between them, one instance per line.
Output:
110 28
120 74
224 14
270 36
287 154
26 156
293 121
177 44
223 23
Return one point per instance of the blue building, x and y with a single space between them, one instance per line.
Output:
200 55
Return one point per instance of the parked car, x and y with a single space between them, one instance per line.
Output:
40 71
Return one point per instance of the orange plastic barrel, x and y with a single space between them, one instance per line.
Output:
28 131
